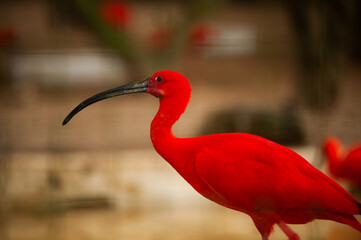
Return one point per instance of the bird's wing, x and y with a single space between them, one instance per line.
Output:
252 173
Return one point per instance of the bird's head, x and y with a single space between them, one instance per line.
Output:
331 145
161 84
168 83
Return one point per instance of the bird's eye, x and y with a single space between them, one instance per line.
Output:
159 79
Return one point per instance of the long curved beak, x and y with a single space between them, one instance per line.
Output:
136 87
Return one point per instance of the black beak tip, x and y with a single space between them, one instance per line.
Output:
65 122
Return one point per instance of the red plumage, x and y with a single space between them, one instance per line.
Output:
342 164
244 172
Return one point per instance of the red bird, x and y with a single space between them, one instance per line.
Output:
342 165
244 172
115 13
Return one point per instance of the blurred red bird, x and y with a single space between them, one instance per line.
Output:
115 13
160 39
201 35
7 37
244 172
343 165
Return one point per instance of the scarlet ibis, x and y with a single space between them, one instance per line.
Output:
244 172
7 37
115 13
160 39
344 165
201 34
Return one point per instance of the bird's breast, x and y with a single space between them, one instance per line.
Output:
184 163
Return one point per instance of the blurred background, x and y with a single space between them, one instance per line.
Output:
286 70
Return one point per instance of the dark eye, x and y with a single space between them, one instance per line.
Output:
159 79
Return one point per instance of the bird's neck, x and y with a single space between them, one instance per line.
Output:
170 110
333 154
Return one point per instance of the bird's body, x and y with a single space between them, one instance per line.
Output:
244 172
344 165
232 170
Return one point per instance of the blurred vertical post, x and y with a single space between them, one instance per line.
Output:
318 36
5 157
7 38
